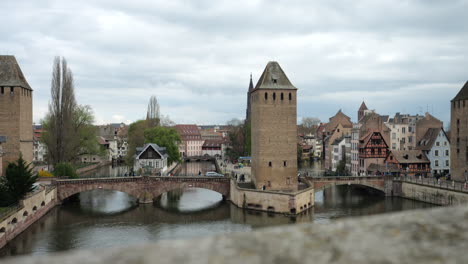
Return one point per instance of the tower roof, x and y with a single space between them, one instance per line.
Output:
251 87
11 74
463 94
273 77
363 106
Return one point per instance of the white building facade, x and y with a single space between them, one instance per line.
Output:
151 159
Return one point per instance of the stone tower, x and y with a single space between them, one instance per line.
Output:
459 134
274 131
15 112
361 111
249 103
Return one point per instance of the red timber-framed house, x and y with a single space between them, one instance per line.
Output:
372 150
410 162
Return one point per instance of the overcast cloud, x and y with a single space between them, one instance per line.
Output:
196 56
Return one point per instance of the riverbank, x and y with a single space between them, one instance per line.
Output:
28 211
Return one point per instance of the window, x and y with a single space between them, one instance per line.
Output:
437 143
269 164
290 97
2 89
150 154
393 135
266 96
403 130
274 96
12 90
445 143
410 139
275 80
393 145
284 163
282 97
447 163
436 163
288 181
436 153
447 152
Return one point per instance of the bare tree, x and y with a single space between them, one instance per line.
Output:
61 109
308 122
152 115
67 125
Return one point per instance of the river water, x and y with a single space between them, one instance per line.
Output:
104 218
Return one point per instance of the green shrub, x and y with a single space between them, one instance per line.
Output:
65 169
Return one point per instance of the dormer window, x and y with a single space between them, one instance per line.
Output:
275 81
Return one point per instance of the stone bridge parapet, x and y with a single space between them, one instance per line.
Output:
144 188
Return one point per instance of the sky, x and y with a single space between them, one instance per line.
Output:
196 57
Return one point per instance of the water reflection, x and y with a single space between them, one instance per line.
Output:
194 168
105 218
107 171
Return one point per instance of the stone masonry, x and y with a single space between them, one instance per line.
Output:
459 134
274 131
15 112
146 189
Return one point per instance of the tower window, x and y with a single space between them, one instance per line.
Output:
274 96
266 96
284 163
269 164
282 97
2 89
12 91
290 97
275 81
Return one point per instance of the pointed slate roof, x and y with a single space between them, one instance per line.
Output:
363 106
463 94
273 77
251 87
11 74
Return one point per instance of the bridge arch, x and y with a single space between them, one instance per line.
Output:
318 186
220 188
66 192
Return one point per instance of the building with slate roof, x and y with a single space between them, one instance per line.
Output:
15 112
151 159
436 145
459 134
410 162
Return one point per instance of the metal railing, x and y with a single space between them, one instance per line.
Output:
449 185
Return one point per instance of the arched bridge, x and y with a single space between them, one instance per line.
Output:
383 184
145 188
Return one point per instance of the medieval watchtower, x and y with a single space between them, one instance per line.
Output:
274 131
15 112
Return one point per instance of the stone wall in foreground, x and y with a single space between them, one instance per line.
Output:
421 236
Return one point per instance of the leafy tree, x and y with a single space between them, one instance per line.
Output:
136 138
65 169
18 181
68 129
164 137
